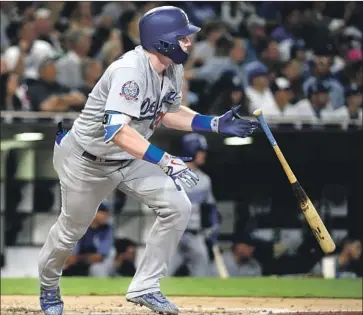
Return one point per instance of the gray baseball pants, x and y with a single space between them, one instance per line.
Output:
193 251
84 185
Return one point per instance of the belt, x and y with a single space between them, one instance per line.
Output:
194 232
97 159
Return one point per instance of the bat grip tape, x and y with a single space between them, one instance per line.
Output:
267 130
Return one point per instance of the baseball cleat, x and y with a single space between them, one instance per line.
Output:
51 302
155 301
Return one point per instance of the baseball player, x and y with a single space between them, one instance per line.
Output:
108 148
192 248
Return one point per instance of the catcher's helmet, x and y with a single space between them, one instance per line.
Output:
161 28
192 143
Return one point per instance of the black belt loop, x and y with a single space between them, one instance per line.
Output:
194 232
96 159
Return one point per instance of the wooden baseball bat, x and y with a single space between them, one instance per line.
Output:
218 259
312 217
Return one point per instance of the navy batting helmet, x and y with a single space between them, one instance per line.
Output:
192 143
161 28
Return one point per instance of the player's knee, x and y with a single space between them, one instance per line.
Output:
181 210
71 231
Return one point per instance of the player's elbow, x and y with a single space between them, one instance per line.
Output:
120 136
114 123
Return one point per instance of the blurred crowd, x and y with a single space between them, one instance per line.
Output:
99 254
289 58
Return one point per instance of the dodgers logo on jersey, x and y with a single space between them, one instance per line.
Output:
153 111
130 90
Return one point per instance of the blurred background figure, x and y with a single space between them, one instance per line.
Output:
321 71
25 57
69 67
317 105
282 93
46 94
204 50
240 261
192 250
292 59
124 262
45 30
130 29
226 93
92 255
256 34
92 71
229 54
258 90
346 259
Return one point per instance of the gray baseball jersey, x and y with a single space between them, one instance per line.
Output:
130 85
202 193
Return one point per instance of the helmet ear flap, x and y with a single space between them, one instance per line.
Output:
173 51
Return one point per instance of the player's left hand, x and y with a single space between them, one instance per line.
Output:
230 123
176 168
212 233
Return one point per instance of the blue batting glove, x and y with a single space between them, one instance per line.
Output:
230 123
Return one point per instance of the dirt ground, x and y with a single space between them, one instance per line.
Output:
113 305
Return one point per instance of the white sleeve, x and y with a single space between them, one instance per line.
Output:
11 57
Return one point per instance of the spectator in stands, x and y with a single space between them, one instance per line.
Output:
92 70
8 87
124 263
228 56
317 105
6 13
349 253
321 71
352 74
291 26
189 98
46 94
298 53
129 23
293 71
82 17
282 93
256 32
110 51
25 57
234 13
240 261
269 55
317 23
258 90
44 29
353 104
205 49
226 93
92 254
69 67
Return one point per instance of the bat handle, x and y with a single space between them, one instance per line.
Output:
290 175
258 114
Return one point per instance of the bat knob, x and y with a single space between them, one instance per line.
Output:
257 112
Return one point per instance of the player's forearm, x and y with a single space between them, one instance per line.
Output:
129 140
90 258
188 120
180 120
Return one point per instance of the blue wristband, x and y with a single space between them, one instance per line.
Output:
153 154
202 123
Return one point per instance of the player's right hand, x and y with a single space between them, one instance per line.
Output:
176 168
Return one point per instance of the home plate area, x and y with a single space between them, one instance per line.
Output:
113 305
